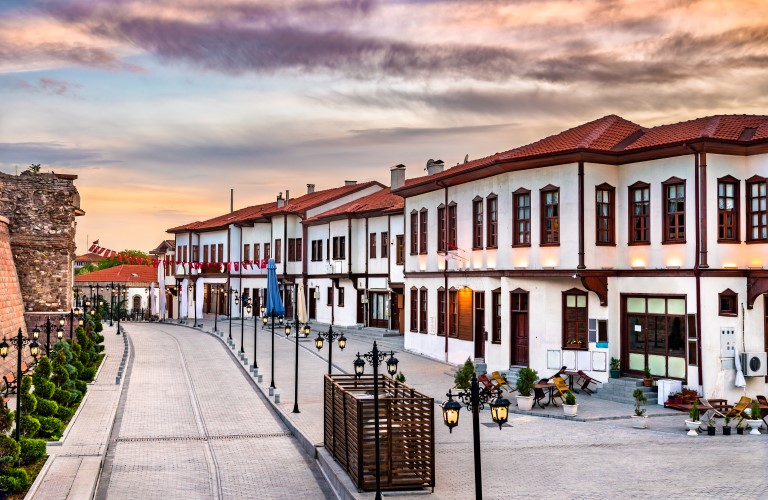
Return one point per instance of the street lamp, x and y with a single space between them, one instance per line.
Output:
252 305
216 289
111 290
305 331
191 288
245 304
34 350
229 307
330 336
475 400
374 358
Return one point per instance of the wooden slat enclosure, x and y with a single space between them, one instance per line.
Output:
406 432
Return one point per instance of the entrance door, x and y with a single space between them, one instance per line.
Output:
361 307
654 336
378 310
136 311
312 303
519 322
479 325
397 304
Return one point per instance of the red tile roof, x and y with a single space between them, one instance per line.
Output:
123 273
382 201
313 200
89 257
613 134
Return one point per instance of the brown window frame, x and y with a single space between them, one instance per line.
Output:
400 249
730 299
317 250
329 299
339 247
414 310
196 253
674 218
496 316
582 322
453 313
492 228
521 226
414 246
294 250
205 253
441 311
256 251
221 252
442 228
340 301
728 219
453 225
267 250
634 217
423 230
605 224
372 245
550 213
278 250
246 252
384 244
761 213
423 309
477 223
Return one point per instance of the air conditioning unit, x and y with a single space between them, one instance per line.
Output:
754 364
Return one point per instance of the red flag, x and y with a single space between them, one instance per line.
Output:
92 248
119 257
101 251
237 266
229 267
96 242
263 263
130 259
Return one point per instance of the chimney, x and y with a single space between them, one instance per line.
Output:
397 177
310 188
280 200
434 166
287 195
350 183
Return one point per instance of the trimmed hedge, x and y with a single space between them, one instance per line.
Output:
32 450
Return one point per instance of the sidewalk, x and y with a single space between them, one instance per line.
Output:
74 464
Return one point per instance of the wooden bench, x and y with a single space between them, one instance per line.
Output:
25 368
10 383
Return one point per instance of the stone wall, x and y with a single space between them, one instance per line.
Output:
11 305
41 209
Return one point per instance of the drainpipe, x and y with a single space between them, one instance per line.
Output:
581 216
696 270
349 246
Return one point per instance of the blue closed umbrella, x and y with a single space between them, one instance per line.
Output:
274 301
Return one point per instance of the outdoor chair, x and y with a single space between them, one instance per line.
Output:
502 382
561 388
538 394
559 372
763 402
488 384
585 380
738 409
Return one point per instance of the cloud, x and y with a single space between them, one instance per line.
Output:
49 154
48 85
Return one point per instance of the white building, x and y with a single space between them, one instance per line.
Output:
133 285
606 240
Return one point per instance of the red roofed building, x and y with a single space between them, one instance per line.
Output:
137 284
607 240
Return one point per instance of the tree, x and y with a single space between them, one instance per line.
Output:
34 168
108 262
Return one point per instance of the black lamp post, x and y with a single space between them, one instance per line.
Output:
244 304
179 290
48 336
475 400
111 289
330 336
60 329
71 323
216 314
34 350
229 306
305 331
121 293
194 301
272 368
374 358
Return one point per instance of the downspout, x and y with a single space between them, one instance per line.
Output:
445 267
696 270
581 216
349 246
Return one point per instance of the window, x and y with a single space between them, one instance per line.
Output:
221 252
477 223
602 330
339 247
294 250
452 227
423 231
384 245
442 228
278 251
496 320
372 246
414 233
727 301
728 210
757 212
423 310
205 253
317 250
674 211
213 253
441 311
256 252
575 319
196 253
267 251
604 215
453 313
414 310
639 214
330 296
247 252
341 296
550 216
522 218
400 249
493 228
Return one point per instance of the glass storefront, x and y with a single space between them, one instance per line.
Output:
654 336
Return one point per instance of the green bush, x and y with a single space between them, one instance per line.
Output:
570 399
65 414
29 425
98 327
464 375
28 400
78 366
46 407
6 420
75 397
44 389
526 379
88 374
60 375
9 451
42 369
14 480
81 386
32 450
62 396
50 427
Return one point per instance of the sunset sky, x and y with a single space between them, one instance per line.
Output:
160 107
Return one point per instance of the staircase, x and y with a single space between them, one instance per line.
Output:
620 390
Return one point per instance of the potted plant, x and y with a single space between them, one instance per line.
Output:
526 378
693 422
615 368
648 380
727 426
464 375
570 408
740 428
711 425
639 419
754 418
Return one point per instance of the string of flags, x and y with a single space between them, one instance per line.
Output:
154 261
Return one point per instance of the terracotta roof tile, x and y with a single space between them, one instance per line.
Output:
123 273
381 201
313 200
89 257
721 127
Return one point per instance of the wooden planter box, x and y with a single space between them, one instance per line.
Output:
406 432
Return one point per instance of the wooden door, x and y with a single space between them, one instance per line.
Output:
519 322
479 326
312 303
396 306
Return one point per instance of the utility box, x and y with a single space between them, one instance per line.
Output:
666 387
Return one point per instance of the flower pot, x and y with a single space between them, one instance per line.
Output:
647 382
692 426
640 421
739 430
711 430
754 425
726 431
524 402
570 410
615 373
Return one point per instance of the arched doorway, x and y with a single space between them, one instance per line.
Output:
136 309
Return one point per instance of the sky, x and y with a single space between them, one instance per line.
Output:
162 107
